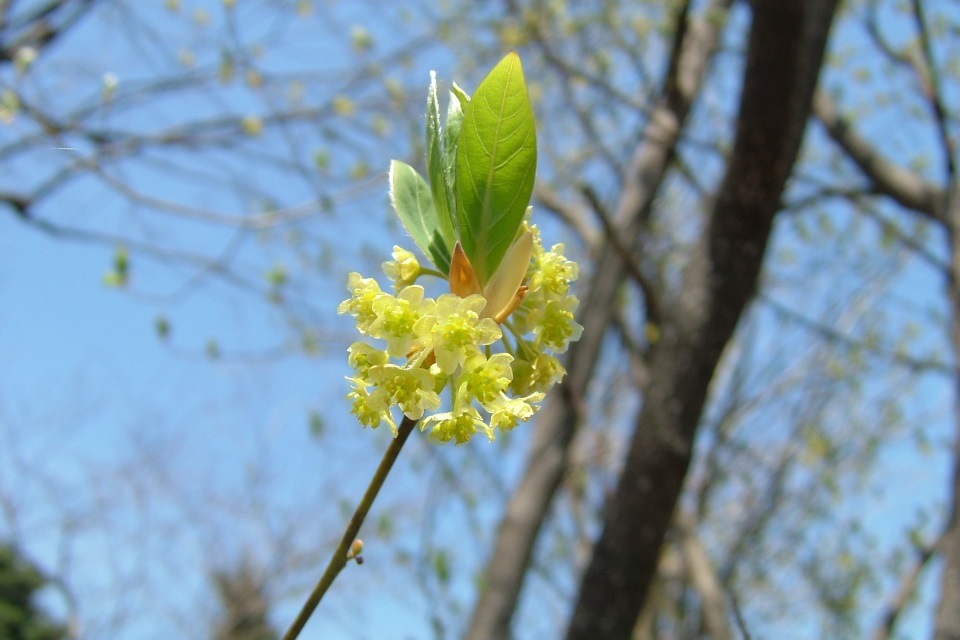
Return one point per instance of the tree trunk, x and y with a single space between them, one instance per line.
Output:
556 424
947 620
787 42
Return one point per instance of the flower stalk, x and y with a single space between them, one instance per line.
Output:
342 555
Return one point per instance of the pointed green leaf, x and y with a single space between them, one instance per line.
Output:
413 203
440 187
462 96
450 136
496 165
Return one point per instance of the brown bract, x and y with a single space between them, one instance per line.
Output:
505 290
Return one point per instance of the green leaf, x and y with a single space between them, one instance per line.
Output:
440 187
413 202
462 96
496 166
450 137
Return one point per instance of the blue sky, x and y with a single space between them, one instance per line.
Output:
121 441
136 465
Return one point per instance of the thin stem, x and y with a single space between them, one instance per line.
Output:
339 559
433 272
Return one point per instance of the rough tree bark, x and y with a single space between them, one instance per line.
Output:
784 56
695 44
947 620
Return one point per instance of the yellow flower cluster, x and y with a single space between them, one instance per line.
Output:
447 342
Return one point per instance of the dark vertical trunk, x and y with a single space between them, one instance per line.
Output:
785 53
557 422
947 621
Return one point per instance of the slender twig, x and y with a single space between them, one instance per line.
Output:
626 256
830 334
934 90
905 187
340 557
907 587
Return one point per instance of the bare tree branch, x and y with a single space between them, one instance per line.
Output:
785 53
899 58
888 178
573 216
39 27
832 335
627 258
935 92
704 579
905 590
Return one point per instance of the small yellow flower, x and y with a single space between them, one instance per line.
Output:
556 328
362 356
457 426
411 389
508 412
395 319
452 327
360 305
403 270
554 272
370 408
536 376
485 379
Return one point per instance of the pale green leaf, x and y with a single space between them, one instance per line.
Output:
450 136
413 203
462 96
440 186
